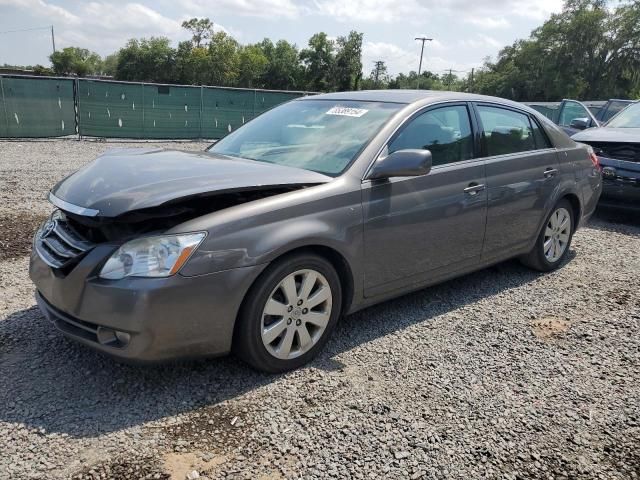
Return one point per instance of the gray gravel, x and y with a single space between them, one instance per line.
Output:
504 373
28 169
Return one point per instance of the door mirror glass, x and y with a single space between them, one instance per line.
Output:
402 163
579 123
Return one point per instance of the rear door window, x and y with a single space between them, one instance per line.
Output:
505 131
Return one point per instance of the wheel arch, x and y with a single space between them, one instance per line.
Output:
573 199
576 206
333 256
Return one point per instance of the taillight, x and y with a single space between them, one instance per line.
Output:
594 159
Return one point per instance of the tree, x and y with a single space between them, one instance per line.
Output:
252 65
223 64
283 70
428 81
378 78
348 61
148 60
589 50
110 64
200 28
319 61
75 61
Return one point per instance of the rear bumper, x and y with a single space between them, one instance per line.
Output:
158 319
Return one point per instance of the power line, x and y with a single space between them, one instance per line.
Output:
50 27
27 29
422 39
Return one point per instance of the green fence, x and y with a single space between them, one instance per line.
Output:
45 107
36 107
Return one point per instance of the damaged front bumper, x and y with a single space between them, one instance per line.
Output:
142 319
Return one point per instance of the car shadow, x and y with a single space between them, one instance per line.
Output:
54 384
606 218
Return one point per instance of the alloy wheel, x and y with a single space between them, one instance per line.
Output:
557 234
296 314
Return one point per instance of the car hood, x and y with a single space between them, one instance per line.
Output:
608 134
125 180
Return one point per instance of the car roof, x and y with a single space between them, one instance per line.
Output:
409 96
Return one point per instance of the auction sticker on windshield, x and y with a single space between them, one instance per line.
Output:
347 111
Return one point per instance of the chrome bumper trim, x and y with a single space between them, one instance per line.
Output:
69 207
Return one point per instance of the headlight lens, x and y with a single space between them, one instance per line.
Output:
160 256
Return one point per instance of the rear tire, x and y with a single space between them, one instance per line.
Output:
552 245
289 313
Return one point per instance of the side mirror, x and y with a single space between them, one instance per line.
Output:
402 163
579 123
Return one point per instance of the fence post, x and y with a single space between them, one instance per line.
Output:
4 104
201 109
76 106
143 109
255 100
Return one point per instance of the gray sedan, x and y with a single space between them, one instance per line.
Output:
318 208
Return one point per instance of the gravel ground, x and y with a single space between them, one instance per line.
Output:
504 373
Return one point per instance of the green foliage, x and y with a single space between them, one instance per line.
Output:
378 78
348 61
75 61
319 61
148 60
283 70
252 65
589 50
223 54
200 28
110 64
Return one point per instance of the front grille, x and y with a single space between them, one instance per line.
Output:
629 152
58 244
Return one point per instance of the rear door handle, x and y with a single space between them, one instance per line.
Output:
474 188
550 172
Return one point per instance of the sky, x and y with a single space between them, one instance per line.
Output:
464 32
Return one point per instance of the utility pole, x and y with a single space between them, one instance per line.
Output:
378 65
53 40
471 81
422 39
450 76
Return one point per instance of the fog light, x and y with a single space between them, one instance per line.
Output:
112 338
106 335
123 338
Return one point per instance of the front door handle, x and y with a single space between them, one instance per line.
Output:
474 188
550 172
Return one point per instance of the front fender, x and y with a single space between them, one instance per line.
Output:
255 236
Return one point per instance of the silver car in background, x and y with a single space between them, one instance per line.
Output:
318 208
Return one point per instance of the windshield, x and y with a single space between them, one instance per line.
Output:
319 135
627 118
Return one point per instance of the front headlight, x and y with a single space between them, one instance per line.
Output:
160 256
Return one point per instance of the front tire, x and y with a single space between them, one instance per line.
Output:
289 313
552 245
